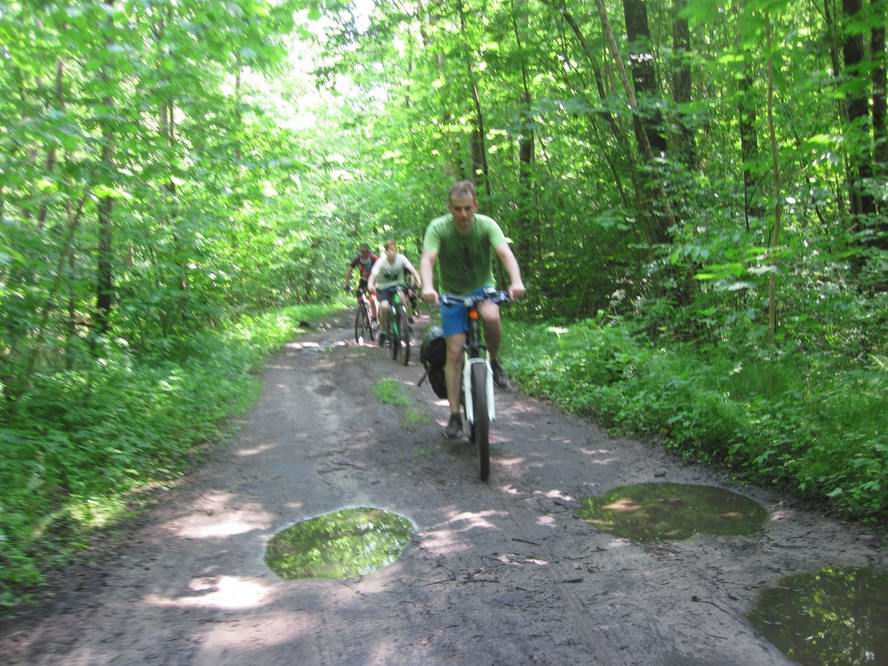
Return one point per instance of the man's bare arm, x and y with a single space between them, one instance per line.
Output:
426 264
510 263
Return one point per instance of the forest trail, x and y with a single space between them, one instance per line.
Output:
498 573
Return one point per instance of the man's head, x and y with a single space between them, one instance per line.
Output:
391 250
364 250
462 205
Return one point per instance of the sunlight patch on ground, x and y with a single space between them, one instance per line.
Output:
226 592
509 462
263 631
555 494
212 518
299 346
546 521
475 519
256 450
442 542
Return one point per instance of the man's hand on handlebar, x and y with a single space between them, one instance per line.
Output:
516 291
430 296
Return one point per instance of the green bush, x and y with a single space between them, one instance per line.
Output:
800 419
79 441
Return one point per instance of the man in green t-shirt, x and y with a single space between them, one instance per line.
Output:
465 243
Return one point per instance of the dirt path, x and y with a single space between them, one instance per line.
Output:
498 574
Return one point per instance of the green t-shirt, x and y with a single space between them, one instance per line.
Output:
465 263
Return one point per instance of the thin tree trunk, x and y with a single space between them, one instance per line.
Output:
648 120
527 234
778 197
104 268
877 51
857 130
51 153
681 82
749 149
479 149
657 228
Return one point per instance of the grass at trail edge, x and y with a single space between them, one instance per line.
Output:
801 420
82 443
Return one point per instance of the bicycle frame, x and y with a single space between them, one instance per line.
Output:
475 351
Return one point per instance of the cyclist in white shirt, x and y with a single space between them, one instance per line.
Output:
389 273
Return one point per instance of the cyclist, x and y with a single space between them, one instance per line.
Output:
465 243
414 286
364 262
389 274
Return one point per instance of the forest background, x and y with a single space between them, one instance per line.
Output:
695 189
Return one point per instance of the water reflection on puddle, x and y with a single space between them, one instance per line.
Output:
832 616
342 544
671 511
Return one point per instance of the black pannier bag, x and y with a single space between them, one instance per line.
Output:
433 356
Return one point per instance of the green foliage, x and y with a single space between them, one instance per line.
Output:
800 419
80 441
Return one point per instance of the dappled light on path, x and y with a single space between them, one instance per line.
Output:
213 517
222 592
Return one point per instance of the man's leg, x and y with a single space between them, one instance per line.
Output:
453 376
383 320
493 333
493 327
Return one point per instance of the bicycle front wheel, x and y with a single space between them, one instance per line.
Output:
394 334
404 342
481 427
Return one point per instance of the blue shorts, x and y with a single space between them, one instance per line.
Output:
454 320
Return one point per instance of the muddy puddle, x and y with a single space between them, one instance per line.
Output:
831 616
672 511
343 544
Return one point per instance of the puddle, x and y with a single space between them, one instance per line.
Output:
832 616
671 511
342 544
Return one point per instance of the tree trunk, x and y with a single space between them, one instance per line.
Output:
656 221
857 130
526 233
104 264
479 149
649 119
681 82
877 50
774 238
51 153
747 122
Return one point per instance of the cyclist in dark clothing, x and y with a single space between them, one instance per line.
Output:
363 261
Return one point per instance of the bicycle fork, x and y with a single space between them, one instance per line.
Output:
467 388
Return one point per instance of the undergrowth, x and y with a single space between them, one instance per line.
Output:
797 419
390 392
80 442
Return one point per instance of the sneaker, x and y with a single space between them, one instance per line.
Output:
454 427
499 375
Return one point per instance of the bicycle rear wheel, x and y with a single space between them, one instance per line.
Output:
404 341
362 324
481 426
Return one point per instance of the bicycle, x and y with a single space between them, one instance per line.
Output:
398 329
477 397
364 323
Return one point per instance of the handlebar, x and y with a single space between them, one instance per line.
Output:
494 295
